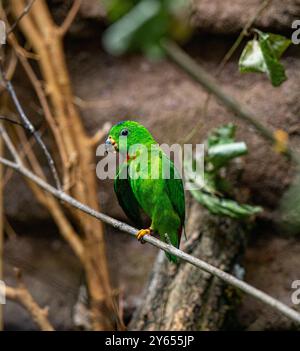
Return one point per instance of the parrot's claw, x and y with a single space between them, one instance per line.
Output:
141 233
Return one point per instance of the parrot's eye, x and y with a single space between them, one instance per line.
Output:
124 132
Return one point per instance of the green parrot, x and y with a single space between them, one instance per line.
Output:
142 189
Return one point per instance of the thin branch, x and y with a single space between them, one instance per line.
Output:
10 145
21 295
6 119
51 204
100 134
37 86
24 298
24 13
226 277
29 126
70 17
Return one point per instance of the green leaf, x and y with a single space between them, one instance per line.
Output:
125 33
278 43
224 207
115 9
139 25
252 59
219 155
222 135
221 149
262 55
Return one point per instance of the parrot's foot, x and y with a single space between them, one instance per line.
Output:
141 233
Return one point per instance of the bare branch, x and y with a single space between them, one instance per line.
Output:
24 13
10 145
6 119
29 126
100 134
70 17
226 277
37 85
21 295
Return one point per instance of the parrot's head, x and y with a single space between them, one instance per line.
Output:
127 134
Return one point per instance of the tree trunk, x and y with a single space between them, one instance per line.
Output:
184 297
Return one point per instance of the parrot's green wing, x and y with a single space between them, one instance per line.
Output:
126 197
175 190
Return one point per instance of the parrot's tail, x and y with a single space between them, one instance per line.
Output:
172 258
174 242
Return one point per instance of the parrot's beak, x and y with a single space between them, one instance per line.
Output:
110 144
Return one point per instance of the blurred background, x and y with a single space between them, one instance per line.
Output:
149 88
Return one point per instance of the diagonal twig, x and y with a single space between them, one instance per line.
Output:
21 295
70 17
10 145
29 126
24 13
6 119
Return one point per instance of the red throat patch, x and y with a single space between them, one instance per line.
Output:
130 158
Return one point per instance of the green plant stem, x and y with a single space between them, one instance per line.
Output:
242 35
226 58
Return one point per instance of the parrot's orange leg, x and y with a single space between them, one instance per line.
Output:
141 233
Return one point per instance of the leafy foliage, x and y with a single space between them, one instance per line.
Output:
224 207
139 25
262 55
221 148
116 9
